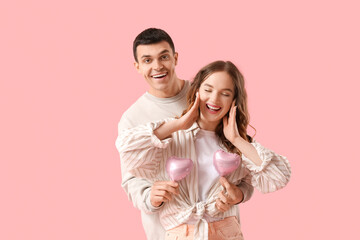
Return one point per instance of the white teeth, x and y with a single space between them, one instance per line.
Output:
212 108
159 76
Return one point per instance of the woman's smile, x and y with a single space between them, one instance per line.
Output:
216 95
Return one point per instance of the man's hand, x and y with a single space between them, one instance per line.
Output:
232 196
162 192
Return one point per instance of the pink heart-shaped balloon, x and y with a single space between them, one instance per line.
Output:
225 162
178 168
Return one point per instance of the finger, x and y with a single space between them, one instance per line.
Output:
224 182
225 121
195 107
170 189
170 183
232 114
197 99
221 206
167 185
155 201
229 188
234 109
232 118
164 195
223 198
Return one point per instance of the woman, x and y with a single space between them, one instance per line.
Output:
217 118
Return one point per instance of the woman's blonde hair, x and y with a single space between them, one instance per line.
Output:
240 97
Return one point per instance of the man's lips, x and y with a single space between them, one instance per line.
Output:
159 75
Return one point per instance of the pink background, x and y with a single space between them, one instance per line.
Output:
66 71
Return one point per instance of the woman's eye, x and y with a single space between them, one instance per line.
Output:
207 90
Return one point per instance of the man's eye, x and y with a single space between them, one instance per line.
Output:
165 57
147 61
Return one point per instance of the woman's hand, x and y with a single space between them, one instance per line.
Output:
230 196
230 129
231 133
163 191
186 121
191 116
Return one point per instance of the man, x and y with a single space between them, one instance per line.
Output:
155 60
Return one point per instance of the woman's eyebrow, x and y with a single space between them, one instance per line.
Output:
225 89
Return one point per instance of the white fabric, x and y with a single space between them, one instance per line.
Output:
146 109
144 155
206 143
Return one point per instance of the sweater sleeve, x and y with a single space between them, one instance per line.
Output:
274 172
141 151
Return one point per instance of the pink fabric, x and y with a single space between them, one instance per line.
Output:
227 229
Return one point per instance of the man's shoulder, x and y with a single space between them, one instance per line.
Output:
133 112
136 106
148 108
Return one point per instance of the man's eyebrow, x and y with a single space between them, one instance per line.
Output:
162 52
225 89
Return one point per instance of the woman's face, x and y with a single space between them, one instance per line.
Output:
216 95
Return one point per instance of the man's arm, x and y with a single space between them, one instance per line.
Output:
138 192
142 193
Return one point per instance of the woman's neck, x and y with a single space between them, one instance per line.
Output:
208 126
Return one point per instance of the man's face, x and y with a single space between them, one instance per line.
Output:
156 62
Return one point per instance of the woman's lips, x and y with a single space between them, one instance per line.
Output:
212 108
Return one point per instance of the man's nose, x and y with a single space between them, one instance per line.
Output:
157 65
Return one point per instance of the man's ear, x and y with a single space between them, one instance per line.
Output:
136 65
176 55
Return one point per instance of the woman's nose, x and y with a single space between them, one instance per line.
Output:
214 97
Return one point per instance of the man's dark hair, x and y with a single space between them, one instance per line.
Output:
151 36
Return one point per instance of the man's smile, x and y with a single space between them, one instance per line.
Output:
159 75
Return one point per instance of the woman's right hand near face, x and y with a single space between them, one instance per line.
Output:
188 119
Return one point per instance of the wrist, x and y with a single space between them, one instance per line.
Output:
238 141
176 125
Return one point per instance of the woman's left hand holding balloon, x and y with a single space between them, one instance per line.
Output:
230 196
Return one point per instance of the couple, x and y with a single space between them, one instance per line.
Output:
202 205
